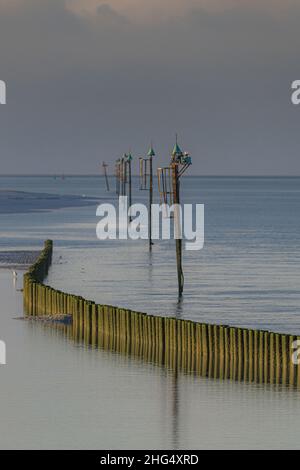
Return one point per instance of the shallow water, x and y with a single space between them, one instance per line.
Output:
246 275
59 394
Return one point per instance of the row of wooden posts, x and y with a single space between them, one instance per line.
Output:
210 350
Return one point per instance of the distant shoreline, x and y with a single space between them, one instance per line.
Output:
14 202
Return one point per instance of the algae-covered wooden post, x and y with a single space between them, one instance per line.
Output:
104 166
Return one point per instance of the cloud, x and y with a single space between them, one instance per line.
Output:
84 87
162 10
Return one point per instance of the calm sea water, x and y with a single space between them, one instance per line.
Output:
57 394
247 273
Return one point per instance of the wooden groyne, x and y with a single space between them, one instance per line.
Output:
183 345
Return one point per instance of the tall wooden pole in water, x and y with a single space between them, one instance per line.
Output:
146 164
117 174
151 154
127 163
129 159
104 165
123 175
177 227
179 163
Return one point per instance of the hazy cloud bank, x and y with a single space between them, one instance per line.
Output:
82 87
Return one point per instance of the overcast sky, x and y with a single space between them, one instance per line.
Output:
87 80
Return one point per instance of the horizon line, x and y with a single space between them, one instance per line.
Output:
92 175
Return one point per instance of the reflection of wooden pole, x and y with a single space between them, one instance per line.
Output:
177 226
150 202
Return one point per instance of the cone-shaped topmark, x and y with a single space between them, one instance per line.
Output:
151 152
176 150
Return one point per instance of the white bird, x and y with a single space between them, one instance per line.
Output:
15 278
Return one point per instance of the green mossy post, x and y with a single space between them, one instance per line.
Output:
290 362
284 359
272 358
298 369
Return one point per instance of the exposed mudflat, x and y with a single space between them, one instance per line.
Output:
18 259
12 202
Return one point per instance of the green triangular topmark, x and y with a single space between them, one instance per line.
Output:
176 150
151 152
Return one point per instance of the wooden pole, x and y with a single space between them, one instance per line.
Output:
177 226
129 187
150 202
118 178
123 176
105 175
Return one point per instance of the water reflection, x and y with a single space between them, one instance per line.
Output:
197 400
251 356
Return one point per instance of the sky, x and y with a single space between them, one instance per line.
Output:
88 80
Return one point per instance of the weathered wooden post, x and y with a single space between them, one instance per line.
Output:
128 161
147 185
123 175
151 154
104 166
177 225
169 188
123 178
117 175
